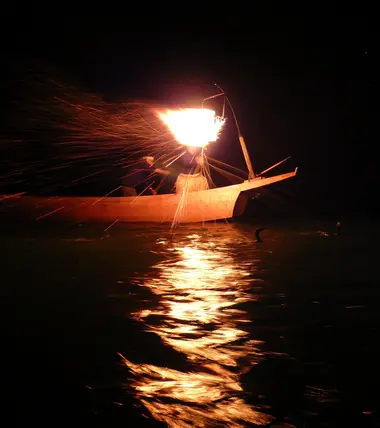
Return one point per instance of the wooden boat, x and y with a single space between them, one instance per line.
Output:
198 206
213 204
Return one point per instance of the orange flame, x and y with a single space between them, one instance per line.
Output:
193 127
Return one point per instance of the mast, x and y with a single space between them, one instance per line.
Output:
251 173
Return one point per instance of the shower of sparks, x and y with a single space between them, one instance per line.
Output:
58 137
193 127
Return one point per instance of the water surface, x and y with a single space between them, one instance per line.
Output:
199 326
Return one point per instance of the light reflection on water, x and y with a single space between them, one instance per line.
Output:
200 285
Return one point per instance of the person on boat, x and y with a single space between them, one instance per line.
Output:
191 161
166 177
143 177
191 178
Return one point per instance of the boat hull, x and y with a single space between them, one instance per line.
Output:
205 205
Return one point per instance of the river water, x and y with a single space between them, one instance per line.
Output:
198 326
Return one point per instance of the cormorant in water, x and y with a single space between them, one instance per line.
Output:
258 231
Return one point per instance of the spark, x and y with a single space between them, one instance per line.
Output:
50 213
107 194
109 227
82 136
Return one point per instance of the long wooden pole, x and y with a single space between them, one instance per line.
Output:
251 173
274 166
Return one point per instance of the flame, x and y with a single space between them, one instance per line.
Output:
193 127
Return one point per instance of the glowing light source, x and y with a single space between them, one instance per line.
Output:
193 127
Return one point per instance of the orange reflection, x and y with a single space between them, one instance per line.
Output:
200 287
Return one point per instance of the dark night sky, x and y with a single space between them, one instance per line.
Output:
300 81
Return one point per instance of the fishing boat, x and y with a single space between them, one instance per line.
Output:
186 207
213 204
